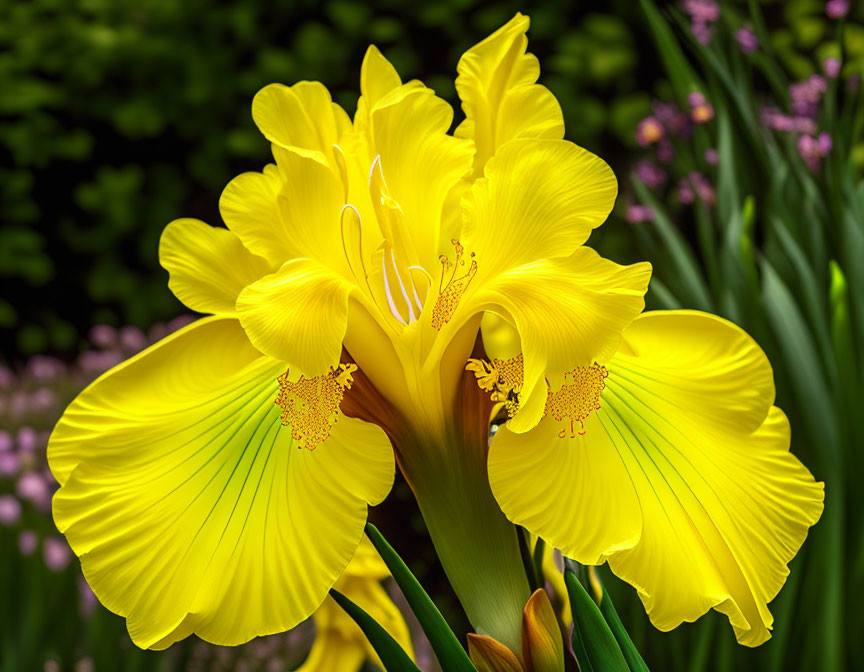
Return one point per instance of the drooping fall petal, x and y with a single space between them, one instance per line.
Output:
190 505
724 505
208 266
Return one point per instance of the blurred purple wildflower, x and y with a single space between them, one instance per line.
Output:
88 599
776 120
33 488
10 510
832 67
649 131
56 553
805 96
639 213
812 149
27 439
711 157
665 152
27 542
696 185
703 15
837 9
650 174
103 336
133 339
5 441
701 110
747 40
9 464
671 117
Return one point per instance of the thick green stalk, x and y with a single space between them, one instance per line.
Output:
476 544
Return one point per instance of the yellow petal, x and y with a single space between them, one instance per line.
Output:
500 98
539 199
420 163
302 118
542 646
298 314
724 504
490 655
337 635
290 210
208 266
568 312
378 77
574 493
189 503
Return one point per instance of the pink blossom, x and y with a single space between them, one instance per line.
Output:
837 9
711 157
32 487
103 336
10 510
747 40
701 110
665 152
649 131
56 553
9 463
27 542
27 439
88 598
132 339
832 67
639 213
5 441
45 368
650 174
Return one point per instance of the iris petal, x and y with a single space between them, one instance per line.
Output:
499 95
724 504
208 266
189 504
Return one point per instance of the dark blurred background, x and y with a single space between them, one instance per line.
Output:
117 117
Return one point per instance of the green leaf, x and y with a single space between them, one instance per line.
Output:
601 650
392 656
448 650
604 600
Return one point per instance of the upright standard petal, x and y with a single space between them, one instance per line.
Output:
539 199
188 502
290 210
207 266
687 405
298 314
568 312
500 97
301 118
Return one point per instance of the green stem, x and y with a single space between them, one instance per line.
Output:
476 544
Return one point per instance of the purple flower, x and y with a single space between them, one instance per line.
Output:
56 553
45 368
43 399
832 67
649 131
696 184
103 336
650 174
776 120
5 441
6 378
94 361
27 542
812 149
639 213
27 439
32 487
700 110
711 157
805 96
703 15
673 119
824 143
747 40
9 463
837 9
132 339
10 510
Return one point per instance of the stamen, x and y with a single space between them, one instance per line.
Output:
502 377
577 399
449 295
311 406
390 303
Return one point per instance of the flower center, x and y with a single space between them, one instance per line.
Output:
449 295
311 405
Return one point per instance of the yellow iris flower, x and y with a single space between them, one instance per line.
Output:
218 482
